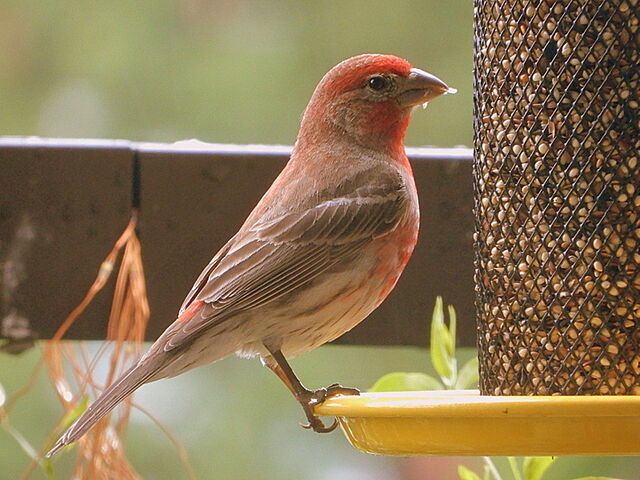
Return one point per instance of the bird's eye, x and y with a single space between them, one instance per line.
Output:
378 83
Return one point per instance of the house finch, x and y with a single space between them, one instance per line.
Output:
321 250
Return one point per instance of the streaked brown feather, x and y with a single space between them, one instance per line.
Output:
274 257
203 278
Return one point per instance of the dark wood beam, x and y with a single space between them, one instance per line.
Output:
64 203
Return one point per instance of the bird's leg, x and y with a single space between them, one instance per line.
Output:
307 398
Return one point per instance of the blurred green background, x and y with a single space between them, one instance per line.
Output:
228 71
221 71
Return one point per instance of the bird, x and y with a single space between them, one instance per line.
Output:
321 250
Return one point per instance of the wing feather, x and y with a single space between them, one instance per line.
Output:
278 255
203 278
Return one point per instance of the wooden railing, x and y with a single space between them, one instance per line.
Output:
63 204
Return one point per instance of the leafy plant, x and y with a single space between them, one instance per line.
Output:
442 351
531 468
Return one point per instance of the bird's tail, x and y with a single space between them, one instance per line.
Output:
107 401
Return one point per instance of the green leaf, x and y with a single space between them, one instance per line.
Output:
405 381
465 474
535 467
491 468
70 417
442 347
73 414
468 376
452 330
46 464
515 470
486 473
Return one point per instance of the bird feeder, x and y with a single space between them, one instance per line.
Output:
557 196
557 246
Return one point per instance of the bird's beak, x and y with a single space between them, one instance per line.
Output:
420 87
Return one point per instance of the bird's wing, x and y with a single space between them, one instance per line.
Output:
277 256
204 275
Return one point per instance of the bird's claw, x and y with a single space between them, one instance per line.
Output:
337 389
317 426
316 397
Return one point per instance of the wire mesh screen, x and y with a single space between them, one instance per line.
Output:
557 196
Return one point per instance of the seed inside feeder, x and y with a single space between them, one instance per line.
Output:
557 205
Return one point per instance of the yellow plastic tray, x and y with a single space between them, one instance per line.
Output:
467 423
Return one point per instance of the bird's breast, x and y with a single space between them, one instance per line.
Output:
393 253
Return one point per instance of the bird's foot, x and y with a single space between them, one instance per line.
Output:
316 397
320 395
318 426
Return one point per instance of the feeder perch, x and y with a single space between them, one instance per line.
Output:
467 423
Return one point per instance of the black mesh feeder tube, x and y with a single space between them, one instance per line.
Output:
557 196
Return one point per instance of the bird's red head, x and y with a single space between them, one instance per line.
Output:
353 73
368 98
